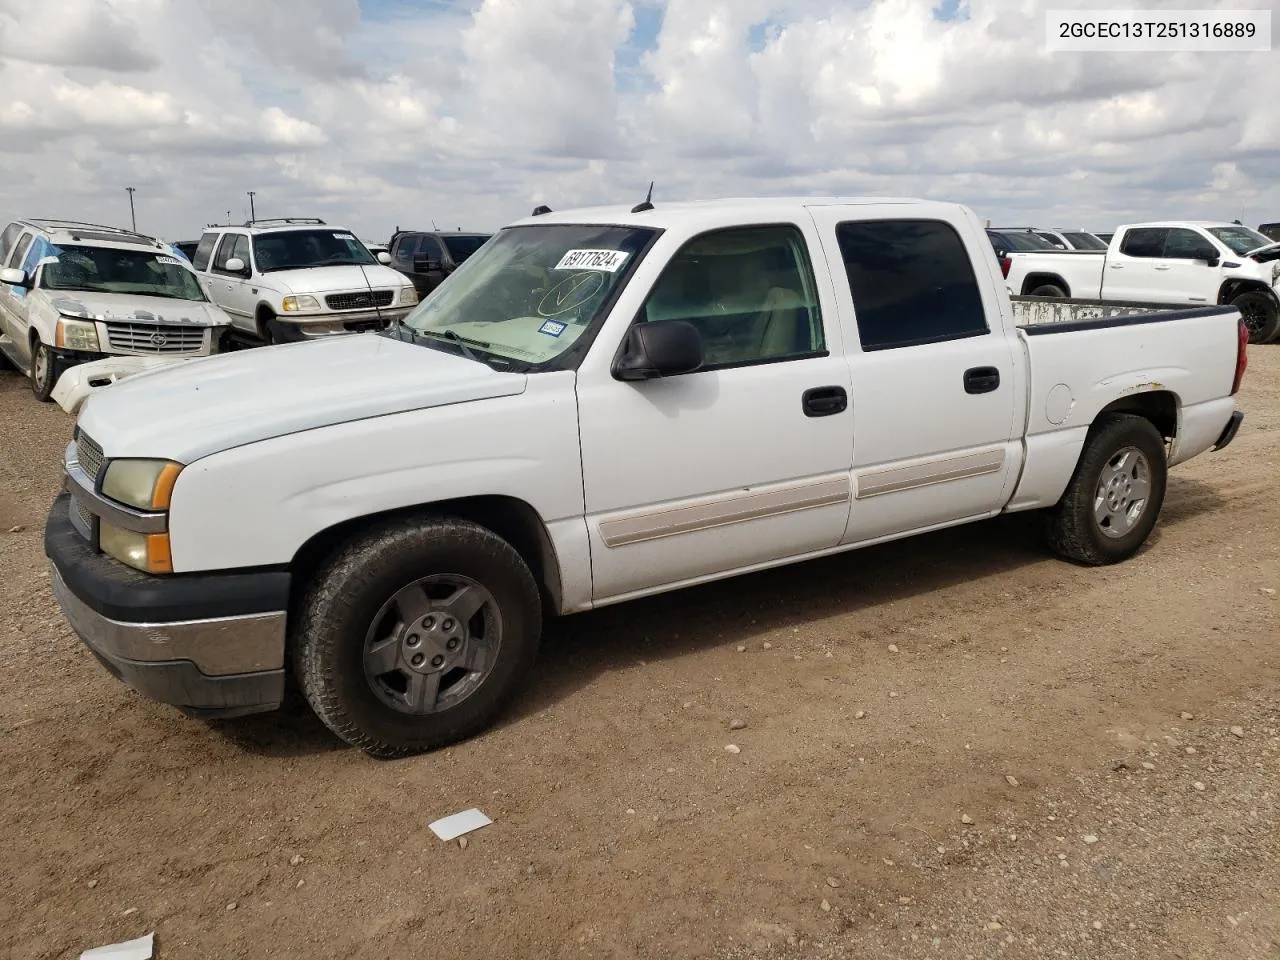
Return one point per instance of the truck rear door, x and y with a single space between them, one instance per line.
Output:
1135 265
938 384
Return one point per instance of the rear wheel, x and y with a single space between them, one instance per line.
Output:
416 635
45 370
1114 497
1261 314
1049 290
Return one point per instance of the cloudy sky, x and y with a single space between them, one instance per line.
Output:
469 112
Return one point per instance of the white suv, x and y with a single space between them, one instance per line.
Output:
294 279
73 292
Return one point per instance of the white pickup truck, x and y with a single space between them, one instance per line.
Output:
1183 262
600 405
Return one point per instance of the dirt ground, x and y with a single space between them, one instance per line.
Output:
1112 735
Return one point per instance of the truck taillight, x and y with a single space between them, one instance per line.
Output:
1005 264
1242 357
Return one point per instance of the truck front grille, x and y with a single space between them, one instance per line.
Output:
151 338
362 300
90 455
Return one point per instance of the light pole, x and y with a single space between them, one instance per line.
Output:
252 214
133 217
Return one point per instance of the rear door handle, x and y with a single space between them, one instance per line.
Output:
824 401
981 379
1163 266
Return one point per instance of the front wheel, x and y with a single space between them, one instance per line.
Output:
1114 497
45 369
416 635
1261 315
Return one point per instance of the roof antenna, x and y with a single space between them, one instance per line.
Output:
648 201
540 209
433 225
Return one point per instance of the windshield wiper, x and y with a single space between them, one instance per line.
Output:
454 337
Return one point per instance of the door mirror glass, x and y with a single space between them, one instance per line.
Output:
13 277
659 348
235 265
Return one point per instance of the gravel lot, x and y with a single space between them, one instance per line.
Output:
955 747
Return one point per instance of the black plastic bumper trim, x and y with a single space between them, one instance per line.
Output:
1230 430
121 593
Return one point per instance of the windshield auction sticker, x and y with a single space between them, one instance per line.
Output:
610 261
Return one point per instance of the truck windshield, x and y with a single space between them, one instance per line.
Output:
531 292
301 249
1241 240
108 270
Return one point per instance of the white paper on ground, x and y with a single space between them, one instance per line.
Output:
450 828
139 949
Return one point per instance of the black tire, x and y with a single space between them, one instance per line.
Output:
344 606
265 333
1261 315
45 370
1074 530
1049 290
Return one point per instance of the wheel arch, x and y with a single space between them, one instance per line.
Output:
1160 407
1231 289
1033 280
512 519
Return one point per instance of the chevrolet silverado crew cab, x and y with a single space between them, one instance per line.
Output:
73 292
1184 262
599 405
298 278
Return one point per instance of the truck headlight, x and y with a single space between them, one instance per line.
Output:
77 335
144 484
408 296
148 552
300 304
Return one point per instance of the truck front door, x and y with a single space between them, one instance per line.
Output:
938 382
742 462
1185 274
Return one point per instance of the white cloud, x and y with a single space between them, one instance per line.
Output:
469 112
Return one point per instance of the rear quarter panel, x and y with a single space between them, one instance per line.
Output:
1074 374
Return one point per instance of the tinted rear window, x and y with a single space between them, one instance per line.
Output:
462 247
204 250
912 282
1144 242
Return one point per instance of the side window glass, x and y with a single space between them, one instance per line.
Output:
241 250
1144 242
749 291
224 252
1050 238
429 247
204 250
1183 244
912 283
7 239
20 251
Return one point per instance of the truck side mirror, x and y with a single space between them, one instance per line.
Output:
660 348
1209 256
384 257
14 277
234 265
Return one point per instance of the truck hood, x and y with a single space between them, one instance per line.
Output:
337 279
132 307
191 410
1265 254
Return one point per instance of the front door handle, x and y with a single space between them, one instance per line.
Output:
824 401
981 379
1164 266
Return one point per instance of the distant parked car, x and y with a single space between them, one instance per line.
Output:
186 247
378 250
1270 230
295 278
427 257
1059 238
1022 240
